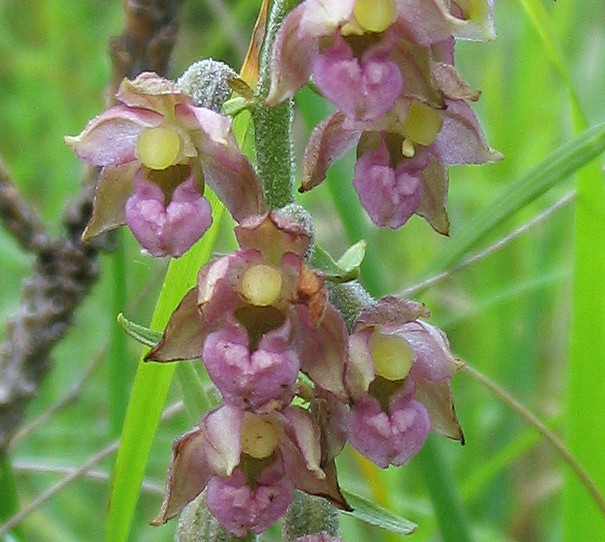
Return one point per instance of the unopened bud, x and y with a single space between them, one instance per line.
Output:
206 82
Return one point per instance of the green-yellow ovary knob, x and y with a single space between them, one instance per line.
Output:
259 436
407 148
261 285
422 123
159 147
375 15
392 354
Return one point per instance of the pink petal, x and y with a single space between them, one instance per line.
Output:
184 335
437 399
273 235
150 91
434 360
461 139
434 196
209 450
293 57
390 311
114 187
322 349
226 169
111 137
328 142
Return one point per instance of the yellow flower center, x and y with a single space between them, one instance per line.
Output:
422 123
375 15
393 356
259 436
159 147
261 285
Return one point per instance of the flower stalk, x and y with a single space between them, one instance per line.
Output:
273 124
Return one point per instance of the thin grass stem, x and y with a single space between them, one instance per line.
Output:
491 249
550 437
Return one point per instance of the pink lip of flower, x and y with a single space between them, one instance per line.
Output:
166 229
156 128
241 509
259 381
391 438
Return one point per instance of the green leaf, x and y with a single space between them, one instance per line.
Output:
333 270
140 333
353 257
372 514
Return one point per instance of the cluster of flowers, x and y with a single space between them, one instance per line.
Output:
388 67
298 382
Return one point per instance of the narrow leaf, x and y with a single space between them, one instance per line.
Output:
353 257
140 333
150 388
372 514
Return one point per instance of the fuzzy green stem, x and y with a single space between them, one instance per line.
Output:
309 515
273 125
197 524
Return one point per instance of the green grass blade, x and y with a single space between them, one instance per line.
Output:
9 504
585 432
149 391
552 170
451 515
118 371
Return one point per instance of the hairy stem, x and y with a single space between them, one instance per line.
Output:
273 125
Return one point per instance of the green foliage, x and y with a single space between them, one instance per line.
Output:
508 314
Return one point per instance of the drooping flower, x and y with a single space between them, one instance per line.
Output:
402 157
157 151
358 50
398 376
257 317
250 465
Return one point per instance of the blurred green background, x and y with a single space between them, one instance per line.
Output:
507 314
